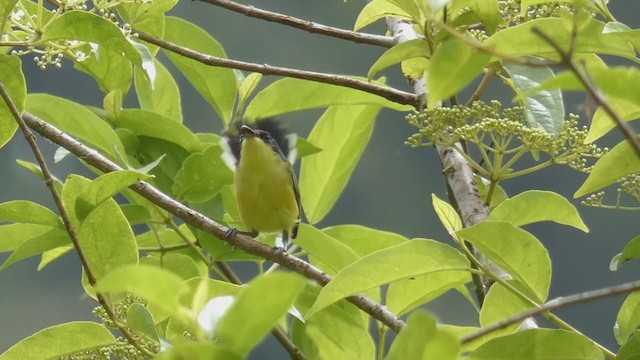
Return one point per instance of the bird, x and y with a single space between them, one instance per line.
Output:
266 187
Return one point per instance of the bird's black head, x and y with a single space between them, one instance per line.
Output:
268 130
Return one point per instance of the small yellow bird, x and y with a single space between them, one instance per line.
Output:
266 186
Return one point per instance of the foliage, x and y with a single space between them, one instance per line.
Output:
166 288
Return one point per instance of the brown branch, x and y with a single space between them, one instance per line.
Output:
386 92
567 60
50 183
305 25
554 304
202 222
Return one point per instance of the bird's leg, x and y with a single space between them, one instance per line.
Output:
233 231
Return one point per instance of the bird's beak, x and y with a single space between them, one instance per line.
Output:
247 131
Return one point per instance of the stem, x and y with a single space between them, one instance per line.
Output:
382 341
50 183
306 25
484 83
386 92
530 170
164 249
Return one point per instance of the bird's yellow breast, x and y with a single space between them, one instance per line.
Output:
265 189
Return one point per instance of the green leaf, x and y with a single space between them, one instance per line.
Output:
182 265
107 240
111 69
515 250
376 10
13 235
500 304
453 66
340 331
343 133
141 320
628 318
217 85
139 12
214 289
162 97
423 339
145 123
305 148
247 87
104 187
13 80
255 322
153 284
403 51
363 240
544 109
75 25
539 344
487 10
137 214
630 350
621 161
631 251
411 341
52 255
447 214
61 340
6 6
534 206
33 246
601 123
520 41
407 294
197 351
202 176
78 121
289 95
22 211
331 253
412 258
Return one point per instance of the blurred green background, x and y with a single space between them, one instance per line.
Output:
390 190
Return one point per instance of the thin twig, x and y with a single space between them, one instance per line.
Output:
484 83
50 183
556 304
202 222
567 60
386 92
306 25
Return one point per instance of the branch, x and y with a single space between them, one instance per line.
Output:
386 92
556 304
202 222
50 183
567 60
457 171
306 25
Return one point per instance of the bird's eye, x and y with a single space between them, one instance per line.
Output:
265 136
